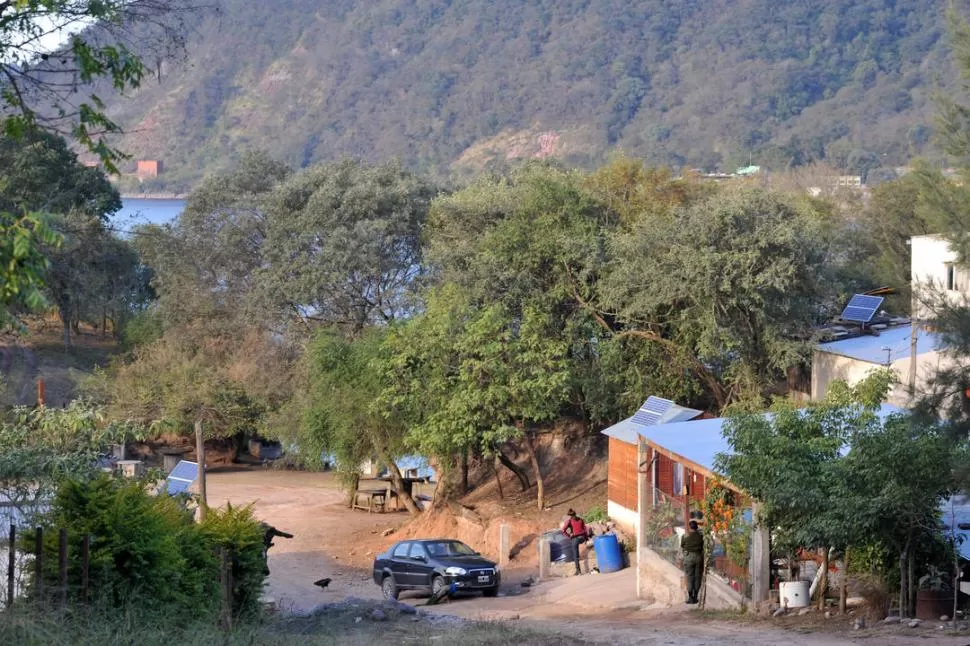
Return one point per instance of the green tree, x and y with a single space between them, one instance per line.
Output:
731 285
343 415
343 244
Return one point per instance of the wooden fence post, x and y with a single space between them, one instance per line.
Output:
11 564
62 564
39 564
85 561
226 581
200 477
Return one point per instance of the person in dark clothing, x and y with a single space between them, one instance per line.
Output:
575 529
269 533
692 543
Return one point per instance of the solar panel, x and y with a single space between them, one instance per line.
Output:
651 411
181 477
862 308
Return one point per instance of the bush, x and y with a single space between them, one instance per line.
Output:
148 547
236 530
596 515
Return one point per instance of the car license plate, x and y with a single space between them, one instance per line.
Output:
483 579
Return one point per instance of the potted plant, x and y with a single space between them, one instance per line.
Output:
934 596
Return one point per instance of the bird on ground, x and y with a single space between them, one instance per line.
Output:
322 583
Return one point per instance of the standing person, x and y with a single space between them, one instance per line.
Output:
693 545
575 529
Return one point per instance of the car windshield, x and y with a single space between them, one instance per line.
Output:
449 548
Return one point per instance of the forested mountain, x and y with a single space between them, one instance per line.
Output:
452 84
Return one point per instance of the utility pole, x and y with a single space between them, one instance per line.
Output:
912 358
200 451
643 514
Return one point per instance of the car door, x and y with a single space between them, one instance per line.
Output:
421 567
401 563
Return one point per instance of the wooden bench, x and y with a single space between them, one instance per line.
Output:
375 499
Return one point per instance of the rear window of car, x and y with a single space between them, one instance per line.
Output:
449 548
401 550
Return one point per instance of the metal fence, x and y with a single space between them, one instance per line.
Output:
667 522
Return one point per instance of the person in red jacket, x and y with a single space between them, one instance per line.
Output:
575 529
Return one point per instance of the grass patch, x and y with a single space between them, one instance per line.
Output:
347 626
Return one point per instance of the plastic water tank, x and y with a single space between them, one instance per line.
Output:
793 594
609 557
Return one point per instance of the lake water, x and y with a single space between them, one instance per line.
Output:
135 211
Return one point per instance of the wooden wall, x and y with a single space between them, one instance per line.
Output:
622 474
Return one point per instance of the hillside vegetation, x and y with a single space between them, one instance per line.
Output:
453 85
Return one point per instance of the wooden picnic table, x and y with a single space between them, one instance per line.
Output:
375 498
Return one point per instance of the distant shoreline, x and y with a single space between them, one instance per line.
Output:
153 196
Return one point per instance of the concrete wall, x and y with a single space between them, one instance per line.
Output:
929 258
665 584
626 519
828 367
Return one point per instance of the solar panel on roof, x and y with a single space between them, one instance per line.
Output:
862 308
651 411
185 470
181 477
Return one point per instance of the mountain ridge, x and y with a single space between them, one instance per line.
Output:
460 85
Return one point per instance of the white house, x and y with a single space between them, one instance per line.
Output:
858 350
934 273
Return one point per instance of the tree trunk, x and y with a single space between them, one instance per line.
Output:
516 469
823 582
397 481
844 583
498 480
540 490
911 582
354 486
464 470
200 450
904 580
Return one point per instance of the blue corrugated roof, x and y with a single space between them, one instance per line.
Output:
871 348
702 439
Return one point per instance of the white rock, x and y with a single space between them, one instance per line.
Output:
914 623
804 611
891 620
944 618
778 613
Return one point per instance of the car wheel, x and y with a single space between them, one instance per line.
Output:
437 585
389 588
490 592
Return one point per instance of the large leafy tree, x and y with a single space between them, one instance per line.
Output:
731 285
343 244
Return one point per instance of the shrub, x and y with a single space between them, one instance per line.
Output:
236 530
148 547
140 546
596 515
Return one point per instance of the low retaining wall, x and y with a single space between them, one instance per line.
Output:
664 583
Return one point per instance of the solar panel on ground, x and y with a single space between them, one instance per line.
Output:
862 308
181 477
651 411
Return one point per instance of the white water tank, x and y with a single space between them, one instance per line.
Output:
793 594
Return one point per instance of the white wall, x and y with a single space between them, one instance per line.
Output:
929 257
626 519
828 367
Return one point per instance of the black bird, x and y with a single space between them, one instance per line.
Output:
323 583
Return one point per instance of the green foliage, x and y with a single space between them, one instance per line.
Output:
23 264
42 447
735 280
236 532
142 329
685 85
596 514
142 546
46 85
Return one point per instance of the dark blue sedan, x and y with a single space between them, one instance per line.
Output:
430 565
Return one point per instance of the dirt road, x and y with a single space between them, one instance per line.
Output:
332 541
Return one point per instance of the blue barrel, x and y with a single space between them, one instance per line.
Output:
609 557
